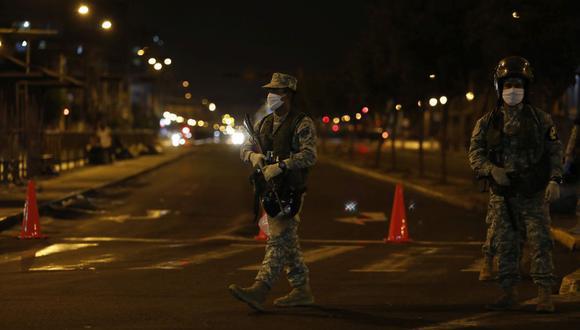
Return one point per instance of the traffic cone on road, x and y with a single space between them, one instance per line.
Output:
262 236
398 229
30 219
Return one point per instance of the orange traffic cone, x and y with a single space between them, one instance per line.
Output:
398 230
262 236
30 223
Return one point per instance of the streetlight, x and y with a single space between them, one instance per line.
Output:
191 122
187 96
398 107
346 118
66 112
185 84
158 66
469 96
106 25
516 15
432 76
336 120
26 24
83 10
432 101
152 61
0 43
358 116
141 52
443 99
167 61
212 107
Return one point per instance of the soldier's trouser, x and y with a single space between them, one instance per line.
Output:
283 252
489 246
522 216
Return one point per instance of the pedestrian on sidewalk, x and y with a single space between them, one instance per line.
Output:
516 148
105 141
284 150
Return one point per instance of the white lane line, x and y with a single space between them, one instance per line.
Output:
318 254
198 259
397 262
249 240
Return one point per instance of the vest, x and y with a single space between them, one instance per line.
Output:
532 169
280 142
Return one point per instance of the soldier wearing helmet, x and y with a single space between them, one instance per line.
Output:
516 148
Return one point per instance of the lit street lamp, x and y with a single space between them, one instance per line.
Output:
443 100
167 61
185 84
469 96
83 10
152 61
432 101
212 107
106 25
158 66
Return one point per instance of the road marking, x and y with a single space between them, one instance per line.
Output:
198 259
251 240
397 262
321 253
363 218
475 267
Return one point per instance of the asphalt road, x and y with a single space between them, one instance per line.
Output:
159 251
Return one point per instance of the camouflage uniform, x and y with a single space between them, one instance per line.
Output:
283 249
513 217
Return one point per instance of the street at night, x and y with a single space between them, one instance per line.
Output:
157 253
291 165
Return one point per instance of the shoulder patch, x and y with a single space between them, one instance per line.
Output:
552 133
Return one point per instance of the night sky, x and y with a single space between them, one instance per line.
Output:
226 49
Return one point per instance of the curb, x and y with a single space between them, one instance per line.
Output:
11 220
453 200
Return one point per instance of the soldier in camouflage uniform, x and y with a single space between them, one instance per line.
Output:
291 136
516 147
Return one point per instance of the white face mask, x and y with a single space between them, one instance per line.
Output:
274 101
513 96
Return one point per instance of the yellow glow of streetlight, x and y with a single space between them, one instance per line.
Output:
0 43
200 123
469 96
516 15
187 96
106 24
83 9
140 52
398 107
443 99
167 61
191 122
66 112
152 61
419 103
212 107
185 84
158 66
180 119
432 101
336 120
358 116
346 118
432 76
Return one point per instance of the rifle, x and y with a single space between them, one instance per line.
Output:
269 159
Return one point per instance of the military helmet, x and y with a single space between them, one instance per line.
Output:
512 67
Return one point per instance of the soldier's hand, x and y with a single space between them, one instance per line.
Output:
271 171
500 176
552 191
257 159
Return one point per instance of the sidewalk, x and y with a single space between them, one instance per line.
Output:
79 181
461 189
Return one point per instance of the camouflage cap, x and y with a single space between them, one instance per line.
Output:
282 80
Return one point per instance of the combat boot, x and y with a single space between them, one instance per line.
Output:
545 304
299 296
486 271
508 301
254 296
